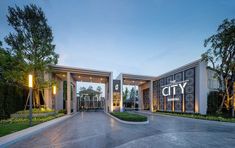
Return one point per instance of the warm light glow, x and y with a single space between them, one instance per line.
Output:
79 77
54 90
30 81
63 75
91 78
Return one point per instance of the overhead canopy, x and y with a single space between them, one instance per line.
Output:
131 79
81 74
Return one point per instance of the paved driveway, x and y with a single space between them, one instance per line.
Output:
96 129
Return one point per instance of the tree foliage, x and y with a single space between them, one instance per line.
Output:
221 56
90 91
125 94
133 94
12 97
31 43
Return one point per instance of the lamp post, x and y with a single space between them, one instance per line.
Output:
30 98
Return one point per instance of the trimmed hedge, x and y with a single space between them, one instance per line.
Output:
198 116
213 102
35 111
129 116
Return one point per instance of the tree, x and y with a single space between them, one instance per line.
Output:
99 89
125 94
132 94
31 44
12 98
221 57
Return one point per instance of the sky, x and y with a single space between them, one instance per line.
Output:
145 37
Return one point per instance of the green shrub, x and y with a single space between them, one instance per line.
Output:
64 111
16 124
213 102
129 116
36 111
199 116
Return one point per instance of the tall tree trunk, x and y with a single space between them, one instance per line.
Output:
36 98
225 97
227 94
221 105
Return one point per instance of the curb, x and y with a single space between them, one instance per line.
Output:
128 122
20 135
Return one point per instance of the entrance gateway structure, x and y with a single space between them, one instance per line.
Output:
184 89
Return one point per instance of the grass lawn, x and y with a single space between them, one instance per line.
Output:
129 116
16 124
199 116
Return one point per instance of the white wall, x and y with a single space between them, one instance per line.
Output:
203 88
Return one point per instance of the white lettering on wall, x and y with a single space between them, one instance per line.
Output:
166 91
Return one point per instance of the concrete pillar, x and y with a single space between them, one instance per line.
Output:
111 91
140 99
68 93
121 90
151 95
47 92
59 95
202 79
106 103
75 97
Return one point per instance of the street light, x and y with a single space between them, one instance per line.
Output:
30 98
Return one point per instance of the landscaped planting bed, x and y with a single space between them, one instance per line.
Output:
129 116
199 116
18 123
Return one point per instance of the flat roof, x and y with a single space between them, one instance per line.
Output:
136 77
180 69
100 74
76 70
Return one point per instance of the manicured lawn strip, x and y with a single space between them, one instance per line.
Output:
198 116
129 116
16 124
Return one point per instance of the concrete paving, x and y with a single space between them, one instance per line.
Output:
96 129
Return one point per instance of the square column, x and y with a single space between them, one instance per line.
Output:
121 95
151 95
68 93
59 96
47 92
75 97
106 97
140 99
111 91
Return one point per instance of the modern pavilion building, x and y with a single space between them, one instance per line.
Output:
184 89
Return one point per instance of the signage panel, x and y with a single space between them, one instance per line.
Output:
116 86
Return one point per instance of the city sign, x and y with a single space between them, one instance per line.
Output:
166 90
